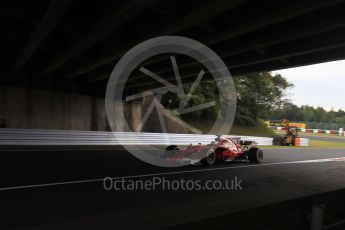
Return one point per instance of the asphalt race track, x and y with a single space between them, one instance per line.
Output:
48 202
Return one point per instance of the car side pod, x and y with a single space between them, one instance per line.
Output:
255 155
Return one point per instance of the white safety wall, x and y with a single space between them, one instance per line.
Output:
69 137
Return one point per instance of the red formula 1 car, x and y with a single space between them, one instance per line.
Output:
221 150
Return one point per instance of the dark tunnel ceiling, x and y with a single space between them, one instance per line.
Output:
74 45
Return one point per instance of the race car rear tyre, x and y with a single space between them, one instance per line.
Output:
278 140
210 159
255 155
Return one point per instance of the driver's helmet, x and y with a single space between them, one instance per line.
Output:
217 138
213 142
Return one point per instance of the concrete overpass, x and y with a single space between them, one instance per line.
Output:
73 45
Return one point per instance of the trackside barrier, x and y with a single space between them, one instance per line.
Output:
72 137
304 142
301 142
340 132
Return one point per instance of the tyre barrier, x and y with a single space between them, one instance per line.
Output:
304 142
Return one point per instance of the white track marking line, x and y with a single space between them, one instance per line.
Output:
172 173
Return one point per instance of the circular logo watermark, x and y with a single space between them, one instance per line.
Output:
160 149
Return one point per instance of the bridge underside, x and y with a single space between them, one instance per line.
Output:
74 45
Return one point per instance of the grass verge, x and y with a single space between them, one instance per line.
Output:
326 144
260 130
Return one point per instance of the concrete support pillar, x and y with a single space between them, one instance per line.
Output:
317 214
94 114
136 116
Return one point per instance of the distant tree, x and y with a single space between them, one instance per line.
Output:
207 91
307 113
257 94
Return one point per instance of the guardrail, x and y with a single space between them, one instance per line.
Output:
72 137
336 132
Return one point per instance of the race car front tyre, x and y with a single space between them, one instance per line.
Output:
210 159
255 155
